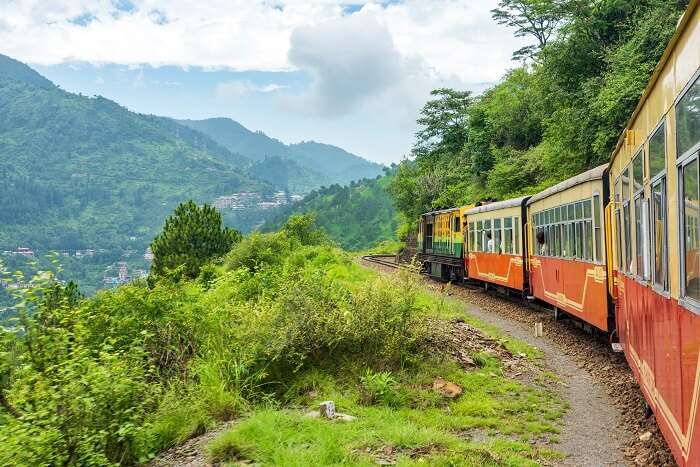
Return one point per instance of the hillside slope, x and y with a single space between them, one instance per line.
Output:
83 173
356 216
324 164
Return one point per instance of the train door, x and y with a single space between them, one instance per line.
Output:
428 241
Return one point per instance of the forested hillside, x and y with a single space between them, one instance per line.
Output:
306 165
355 216
551 118
83 173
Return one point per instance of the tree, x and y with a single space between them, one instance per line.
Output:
536 18
444 122
192 236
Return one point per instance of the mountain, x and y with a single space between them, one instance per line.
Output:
356 216
323 163
82 172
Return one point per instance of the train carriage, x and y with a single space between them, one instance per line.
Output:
655 174
495 252
441 243
567 257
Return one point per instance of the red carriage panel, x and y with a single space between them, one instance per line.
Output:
661 342
577 287
505 270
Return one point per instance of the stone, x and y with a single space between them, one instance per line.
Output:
447 388
645 436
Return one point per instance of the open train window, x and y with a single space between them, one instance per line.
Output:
472 236
497 237
516 234
457 224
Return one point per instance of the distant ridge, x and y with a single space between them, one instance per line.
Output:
329 164
11 69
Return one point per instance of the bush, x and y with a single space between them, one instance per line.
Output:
192 236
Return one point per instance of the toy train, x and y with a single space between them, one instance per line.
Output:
617 247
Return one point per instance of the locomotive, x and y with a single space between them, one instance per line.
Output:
617 247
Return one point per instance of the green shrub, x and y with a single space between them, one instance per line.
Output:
379 388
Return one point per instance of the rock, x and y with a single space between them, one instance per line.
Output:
447 388
645 436
343 417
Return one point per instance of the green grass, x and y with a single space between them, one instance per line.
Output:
492 423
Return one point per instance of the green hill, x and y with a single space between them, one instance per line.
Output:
323 164
356 216
83 172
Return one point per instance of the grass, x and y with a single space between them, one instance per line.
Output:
399 417
496 421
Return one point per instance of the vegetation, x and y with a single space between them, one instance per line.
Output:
283 320
356 217
547 120
300 167
192 237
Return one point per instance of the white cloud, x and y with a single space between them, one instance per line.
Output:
374 67
238 88
452 37
351 59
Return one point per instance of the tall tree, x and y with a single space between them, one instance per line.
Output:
192 236
535 18
444 122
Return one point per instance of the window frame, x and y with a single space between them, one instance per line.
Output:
696 147
688 158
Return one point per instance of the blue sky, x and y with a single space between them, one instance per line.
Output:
350 73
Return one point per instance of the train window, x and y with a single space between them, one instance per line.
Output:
638 229
470 236
477 234
626 185
516 235
488 237
587 209
688 120
557 241
457 225
557 214
579 211
508 235
570 212
579 240
638 172
691 209
589 240
627 228
597 229
658 207
497 237
657 152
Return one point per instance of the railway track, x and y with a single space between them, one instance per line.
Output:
384 260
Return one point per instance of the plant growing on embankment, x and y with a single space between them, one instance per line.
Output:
281 321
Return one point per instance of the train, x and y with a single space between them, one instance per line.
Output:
617 248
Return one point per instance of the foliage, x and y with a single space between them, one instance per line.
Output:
379 387
298 167
355 217
546 121
192 236
536 18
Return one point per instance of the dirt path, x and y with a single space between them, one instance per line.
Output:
606 415
592 435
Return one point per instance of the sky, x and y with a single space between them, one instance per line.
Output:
346 72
